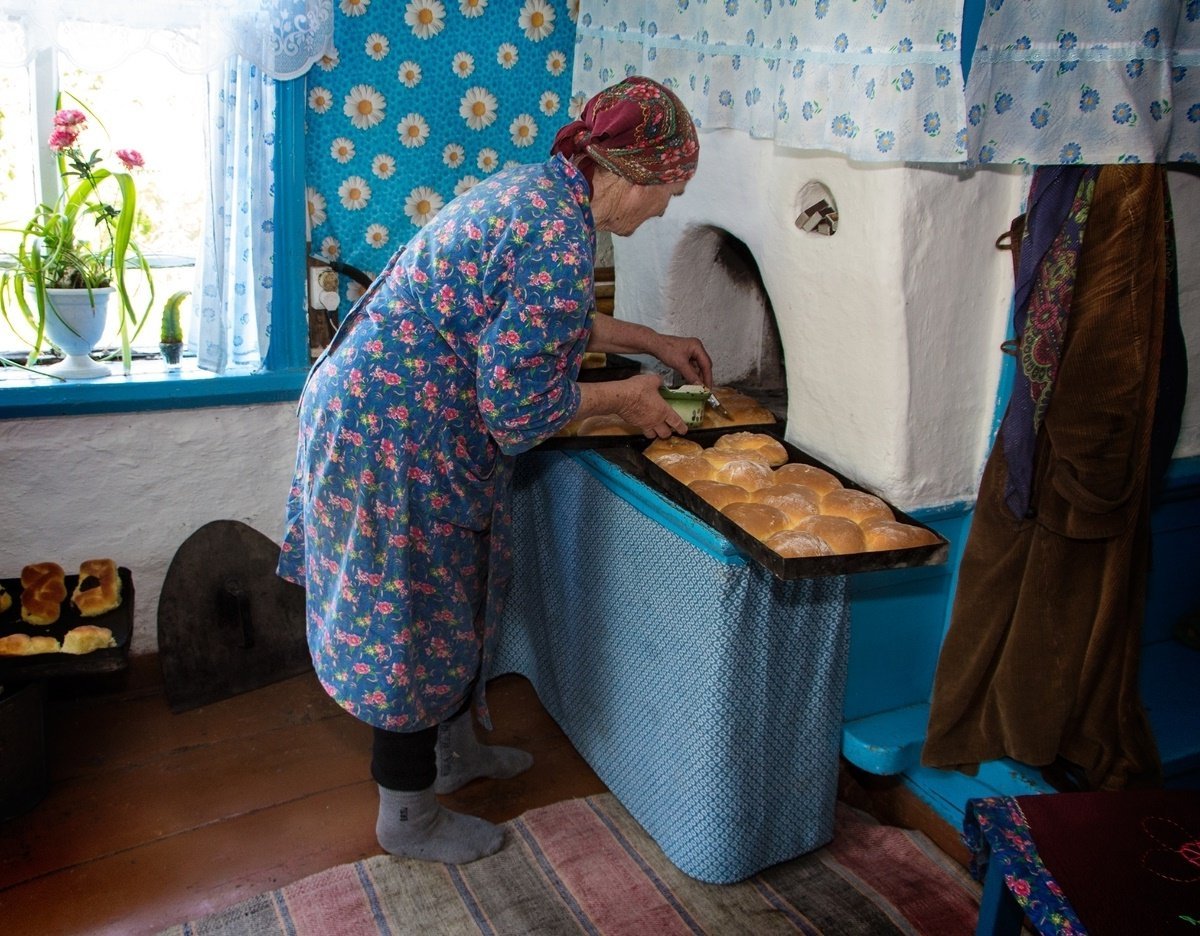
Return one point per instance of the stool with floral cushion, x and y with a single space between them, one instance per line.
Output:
1120 863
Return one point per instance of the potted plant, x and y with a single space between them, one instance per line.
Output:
74 254
170 338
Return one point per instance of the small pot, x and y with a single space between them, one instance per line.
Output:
171 352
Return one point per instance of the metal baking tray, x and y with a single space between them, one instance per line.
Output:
705 437
616 367
119 620
808 567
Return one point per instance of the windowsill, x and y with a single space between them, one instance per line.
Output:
149 387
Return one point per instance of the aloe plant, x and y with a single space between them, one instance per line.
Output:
172 328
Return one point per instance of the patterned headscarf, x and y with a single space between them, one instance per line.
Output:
637 129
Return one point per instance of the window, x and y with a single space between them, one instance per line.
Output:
151 94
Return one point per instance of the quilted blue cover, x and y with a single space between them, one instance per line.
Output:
704 692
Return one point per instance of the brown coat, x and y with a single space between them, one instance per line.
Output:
1041 658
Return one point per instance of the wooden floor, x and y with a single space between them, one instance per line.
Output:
153 818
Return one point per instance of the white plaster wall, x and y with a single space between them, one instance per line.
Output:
891 328
134 486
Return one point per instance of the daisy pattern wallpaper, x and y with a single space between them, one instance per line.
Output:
419 101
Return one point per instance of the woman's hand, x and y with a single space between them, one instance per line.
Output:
636 400
686 355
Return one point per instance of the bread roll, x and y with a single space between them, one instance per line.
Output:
24 645
771 448
718 493
747 474
99 587
759 520
811 476
606 424
674 443
891 534
686 468
720 459
5 599
795 500
593 359
797 544
858 506
43 590
843 536
743 411
87 637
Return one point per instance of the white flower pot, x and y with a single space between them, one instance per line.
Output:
75 322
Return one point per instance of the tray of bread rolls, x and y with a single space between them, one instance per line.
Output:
611 431
796 516
55 623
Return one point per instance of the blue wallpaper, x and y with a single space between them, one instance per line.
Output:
421 99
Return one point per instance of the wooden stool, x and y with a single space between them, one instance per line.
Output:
1117 863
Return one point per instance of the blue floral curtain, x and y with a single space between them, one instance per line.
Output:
234 275
874 79
1093 81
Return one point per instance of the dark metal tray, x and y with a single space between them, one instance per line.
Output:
616 367
809 567
119 620
705 437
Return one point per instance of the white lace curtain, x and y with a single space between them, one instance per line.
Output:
283 38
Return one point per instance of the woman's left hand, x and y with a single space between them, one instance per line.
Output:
686 355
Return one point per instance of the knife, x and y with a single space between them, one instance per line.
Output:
717 405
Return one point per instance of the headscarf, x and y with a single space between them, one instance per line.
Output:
637 129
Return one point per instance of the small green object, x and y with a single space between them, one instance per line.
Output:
172 329
688 401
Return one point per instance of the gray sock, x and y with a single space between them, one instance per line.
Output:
414 825
461 758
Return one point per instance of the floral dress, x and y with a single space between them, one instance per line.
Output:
463 353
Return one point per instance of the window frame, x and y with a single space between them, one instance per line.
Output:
287 361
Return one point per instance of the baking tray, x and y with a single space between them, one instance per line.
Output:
705 437
808 567
616 367
119 620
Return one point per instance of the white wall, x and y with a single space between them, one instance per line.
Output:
891 327
134 486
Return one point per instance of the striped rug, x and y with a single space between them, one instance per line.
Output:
585 866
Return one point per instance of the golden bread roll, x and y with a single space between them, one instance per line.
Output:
671 444
771 448
745 473
570 429
720 459
24 645
755 415
43 590
99 588
593 359
718 493
795 500
759 520
87 637
686 468
797 544
5 599
891 534
858 506
843 536
606 424
811 476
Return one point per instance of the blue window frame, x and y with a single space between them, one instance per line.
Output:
287 361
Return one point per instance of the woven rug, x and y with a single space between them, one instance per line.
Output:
585 866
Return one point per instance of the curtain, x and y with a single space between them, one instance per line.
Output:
283 38
1102 81
874 80
231 321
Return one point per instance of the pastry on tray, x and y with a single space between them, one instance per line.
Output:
99 588
5 599
24 645
43 590
87 637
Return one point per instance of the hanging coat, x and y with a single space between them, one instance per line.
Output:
1041 660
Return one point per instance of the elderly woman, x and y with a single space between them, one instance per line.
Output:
462 354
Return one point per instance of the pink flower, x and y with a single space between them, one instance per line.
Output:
130 158
70 118
62 138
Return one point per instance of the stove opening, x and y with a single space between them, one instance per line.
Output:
716 292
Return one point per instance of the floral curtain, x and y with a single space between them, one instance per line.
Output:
875 80
1102 81
231 320
281 37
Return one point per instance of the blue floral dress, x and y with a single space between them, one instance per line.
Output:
463 353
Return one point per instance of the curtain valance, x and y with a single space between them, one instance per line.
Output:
283 38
